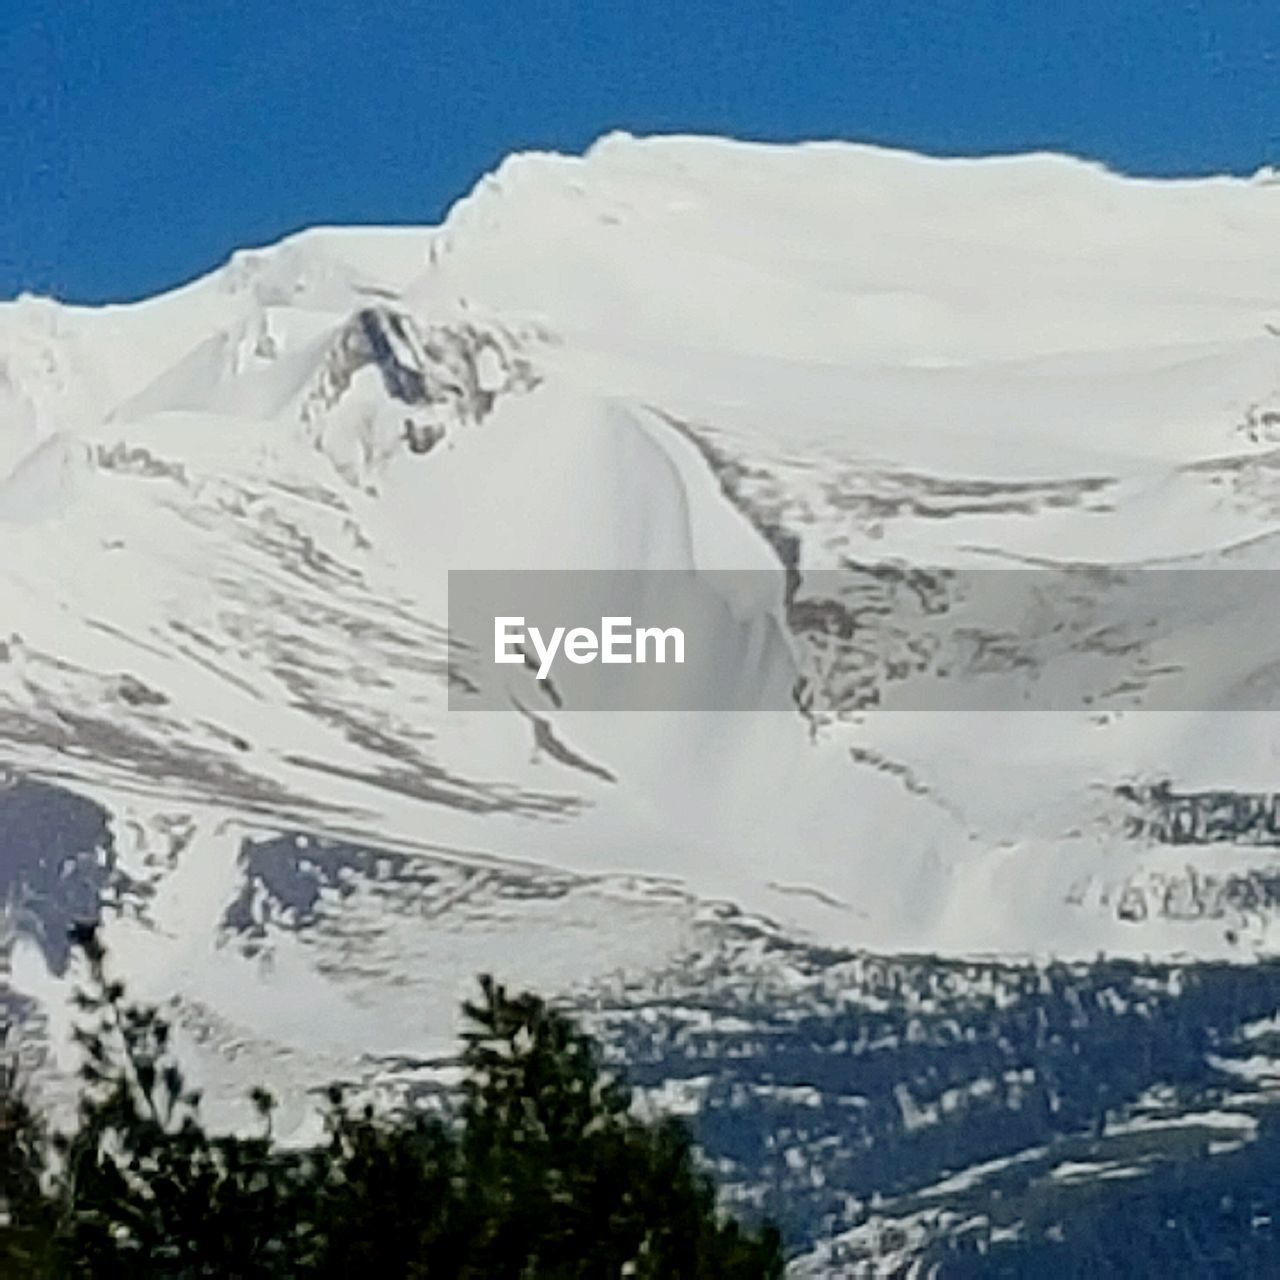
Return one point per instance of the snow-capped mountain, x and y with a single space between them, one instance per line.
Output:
227 516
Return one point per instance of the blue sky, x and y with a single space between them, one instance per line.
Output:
141 142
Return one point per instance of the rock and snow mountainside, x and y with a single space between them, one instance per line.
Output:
227 514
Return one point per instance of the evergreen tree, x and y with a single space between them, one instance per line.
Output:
544 1172
27 1216
571 1182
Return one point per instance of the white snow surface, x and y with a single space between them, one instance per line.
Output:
207 497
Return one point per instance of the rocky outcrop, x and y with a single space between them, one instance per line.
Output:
430 380
1160 813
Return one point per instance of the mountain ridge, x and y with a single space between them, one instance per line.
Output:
227 516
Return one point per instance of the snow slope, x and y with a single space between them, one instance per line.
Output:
227 516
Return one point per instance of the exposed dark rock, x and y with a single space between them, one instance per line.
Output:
56 863
1202 817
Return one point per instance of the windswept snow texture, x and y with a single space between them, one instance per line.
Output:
227 516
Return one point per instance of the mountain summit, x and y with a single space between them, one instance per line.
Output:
881 383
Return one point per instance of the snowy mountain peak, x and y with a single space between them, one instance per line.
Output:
228 514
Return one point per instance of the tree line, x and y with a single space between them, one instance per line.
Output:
542 1169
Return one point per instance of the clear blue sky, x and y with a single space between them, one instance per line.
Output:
141 142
